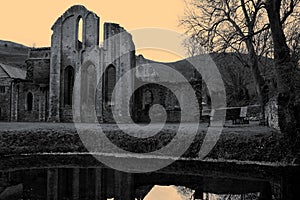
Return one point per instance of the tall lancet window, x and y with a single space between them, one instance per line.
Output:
68 83
110 82
29 101
79 38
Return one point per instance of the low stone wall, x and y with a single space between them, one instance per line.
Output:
271 113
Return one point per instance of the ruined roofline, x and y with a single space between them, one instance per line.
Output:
114 24
14 72
115 29
82 11
73 9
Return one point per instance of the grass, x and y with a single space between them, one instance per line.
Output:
244 143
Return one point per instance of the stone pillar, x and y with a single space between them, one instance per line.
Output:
123 186
12 99
52 184
40 109
54 98
127 62
42 106
77 99
14 102
99 88
55 67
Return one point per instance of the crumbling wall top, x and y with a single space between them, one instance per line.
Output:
74 10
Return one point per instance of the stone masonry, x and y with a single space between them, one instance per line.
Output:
76 71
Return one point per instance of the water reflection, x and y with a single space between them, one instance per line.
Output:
103 183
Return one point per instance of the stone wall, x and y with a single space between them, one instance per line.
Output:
39 53
74 62
38 65
151 94
14 105
40 105
119 53
5 97
173 91
68 51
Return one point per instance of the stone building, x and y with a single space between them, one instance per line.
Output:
72 65
10 77
167 90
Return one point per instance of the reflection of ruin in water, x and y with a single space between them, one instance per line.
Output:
103 183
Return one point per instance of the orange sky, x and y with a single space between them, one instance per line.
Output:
29 21
163 193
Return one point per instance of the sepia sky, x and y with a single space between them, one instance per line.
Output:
29 22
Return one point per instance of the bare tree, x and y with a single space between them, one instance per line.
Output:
229 25
191 45
233 26
287 71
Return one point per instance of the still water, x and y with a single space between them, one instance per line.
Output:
65 183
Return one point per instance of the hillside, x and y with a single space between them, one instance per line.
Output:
13 53
237 77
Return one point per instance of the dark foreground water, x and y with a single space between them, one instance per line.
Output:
102 183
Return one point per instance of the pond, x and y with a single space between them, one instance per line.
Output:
49 161
91 183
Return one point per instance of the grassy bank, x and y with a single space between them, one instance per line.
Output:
250 143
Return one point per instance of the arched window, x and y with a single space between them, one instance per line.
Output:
79 36
29 101
68 83
147 100
110 82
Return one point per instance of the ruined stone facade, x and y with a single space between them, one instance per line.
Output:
72 65
168 93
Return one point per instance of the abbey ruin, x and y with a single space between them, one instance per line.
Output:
43 90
